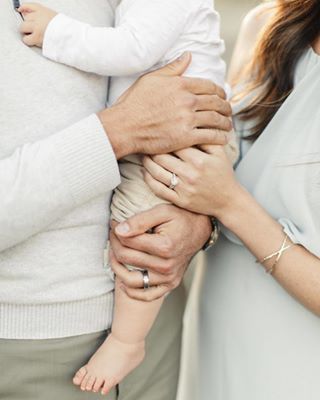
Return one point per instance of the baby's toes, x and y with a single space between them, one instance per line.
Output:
85 382
108 385
78 378
90 382
97 385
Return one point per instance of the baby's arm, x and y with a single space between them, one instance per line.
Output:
146 30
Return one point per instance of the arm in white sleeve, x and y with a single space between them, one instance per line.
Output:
146 31
43 181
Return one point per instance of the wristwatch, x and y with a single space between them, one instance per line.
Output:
214 234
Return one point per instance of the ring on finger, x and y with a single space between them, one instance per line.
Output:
145 279
173 181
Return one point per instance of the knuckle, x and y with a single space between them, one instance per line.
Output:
157 190
181 83
170 278
167 247
166 270
120 257
170 265
186 118
127 280
190 101
139 225
192 177
215 100
199 163
124 241
215 118
156 158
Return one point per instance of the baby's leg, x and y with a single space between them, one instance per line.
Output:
124 348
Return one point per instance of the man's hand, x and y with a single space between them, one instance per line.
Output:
163 112
36 21
177 236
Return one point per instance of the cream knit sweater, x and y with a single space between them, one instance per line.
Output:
57 171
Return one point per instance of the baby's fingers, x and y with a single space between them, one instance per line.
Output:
27 8
26 27
30 40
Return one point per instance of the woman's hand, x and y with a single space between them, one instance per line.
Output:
206 180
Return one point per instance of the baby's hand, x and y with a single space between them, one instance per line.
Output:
36 20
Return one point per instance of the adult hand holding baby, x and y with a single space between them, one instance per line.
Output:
165 111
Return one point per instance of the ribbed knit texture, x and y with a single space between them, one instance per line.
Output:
89 162
47 321
57 173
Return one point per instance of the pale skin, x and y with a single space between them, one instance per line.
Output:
166 248
210 187
163 112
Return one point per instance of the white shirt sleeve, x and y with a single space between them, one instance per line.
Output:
43 181
146 30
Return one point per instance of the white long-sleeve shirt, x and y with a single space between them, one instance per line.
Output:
147 35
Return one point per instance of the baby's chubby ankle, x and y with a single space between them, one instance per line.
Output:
129 345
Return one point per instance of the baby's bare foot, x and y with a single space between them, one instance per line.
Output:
112 362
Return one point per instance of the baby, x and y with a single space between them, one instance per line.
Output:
147 35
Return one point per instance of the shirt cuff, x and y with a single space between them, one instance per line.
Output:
56 36
89 165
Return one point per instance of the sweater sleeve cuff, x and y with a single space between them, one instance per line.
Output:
56 36
89 165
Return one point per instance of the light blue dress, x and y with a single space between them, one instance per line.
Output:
256 341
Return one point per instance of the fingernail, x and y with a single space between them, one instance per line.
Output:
123 228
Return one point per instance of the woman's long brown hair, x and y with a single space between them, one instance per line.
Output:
294 27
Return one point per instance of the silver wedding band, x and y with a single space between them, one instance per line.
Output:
173 182
146 279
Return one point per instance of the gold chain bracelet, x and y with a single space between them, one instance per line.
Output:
277 254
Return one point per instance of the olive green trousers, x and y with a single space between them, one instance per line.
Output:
43 369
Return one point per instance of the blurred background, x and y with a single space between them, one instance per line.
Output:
232 13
